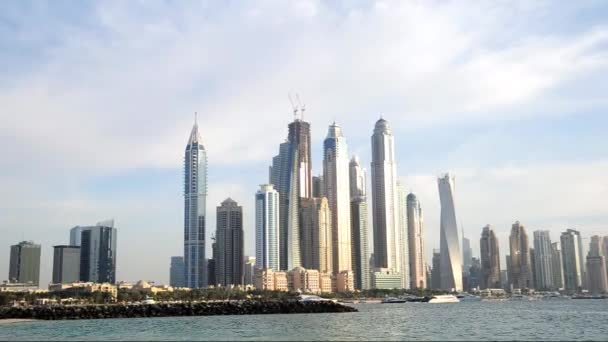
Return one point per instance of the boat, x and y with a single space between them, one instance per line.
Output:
313 298
148 301
392 300
437 299
467 297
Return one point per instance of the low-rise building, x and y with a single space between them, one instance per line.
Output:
86 287
304 280
345 281
20 287
325 282
267 279
383 278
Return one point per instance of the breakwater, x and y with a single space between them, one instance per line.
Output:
60 312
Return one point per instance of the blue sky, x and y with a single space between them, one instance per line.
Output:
97 101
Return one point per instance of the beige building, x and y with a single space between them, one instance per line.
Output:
87 287
267 279
316 239
345 281
325 282
304 280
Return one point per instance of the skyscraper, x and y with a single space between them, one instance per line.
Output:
98 252
249 270
24 266
532 268
436 271
543 258
597 281
572 260
195 199
385 211
451 263
556 261
467 254
229 239
267 228
359 231
521 270
318 188
490 259
404 264
66 264
279 177
177 272
415 231
316 236
337 189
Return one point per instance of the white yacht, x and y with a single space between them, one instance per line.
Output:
313 298
443 299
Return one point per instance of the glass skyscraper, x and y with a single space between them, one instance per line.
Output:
450 262
267 228
195 196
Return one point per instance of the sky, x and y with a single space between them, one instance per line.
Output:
97 100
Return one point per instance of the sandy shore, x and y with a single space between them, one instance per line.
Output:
15 320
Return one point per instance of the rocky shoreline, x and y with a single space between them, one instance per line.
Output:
71 312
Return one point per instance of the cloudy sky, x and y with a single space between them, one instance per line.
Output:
97 101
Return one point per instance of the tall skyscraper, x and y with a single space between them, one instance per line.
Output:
359 231
97 252
66 264
249 270
543 258
211 263
533 268
337 189
597 281
415 231
436 271
572 260
521 270
385 210
490 259
451 263
316 236
24 266
403 237
230 247
605 249
267 228
195 199
280 177
556 262
177 272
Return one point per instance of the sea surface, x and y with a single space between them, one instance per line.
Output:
556 319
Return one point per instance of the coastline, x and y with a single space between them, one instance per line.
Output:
16 320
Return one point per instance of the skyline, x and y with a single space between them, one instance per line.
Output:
521 137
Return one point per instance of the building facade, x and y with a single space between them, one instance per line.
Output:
230 247
490 259
404 263
597 281
97 252
556 262
66 264
415 231
337 189
359 225
316 240
195 199
267 211
572 260
385 210
24 264
467 254
280 178
543 259
177 272
521 271
451 263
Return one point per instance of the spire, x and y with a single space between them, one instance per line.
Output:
195 136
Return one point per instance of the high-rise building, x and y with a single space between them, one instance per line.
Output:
267 228
467 254
97 251
543 259
318 187
556 262
475 274
24 266
337 189
404 264
66 264
249 270
177 272
533 268
521 270
572 260
597 281
451 263
316 246
230 247
436 272
490 259
279 177
385 210
211 263
605 250
415 231
359 226
195 199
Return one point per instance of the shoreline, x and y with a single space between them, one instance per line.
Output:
16 320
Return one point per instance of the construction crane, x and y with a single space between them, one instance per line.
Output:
302 106
293 106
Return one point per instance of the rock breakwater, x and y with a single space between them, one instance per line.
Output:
59 312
